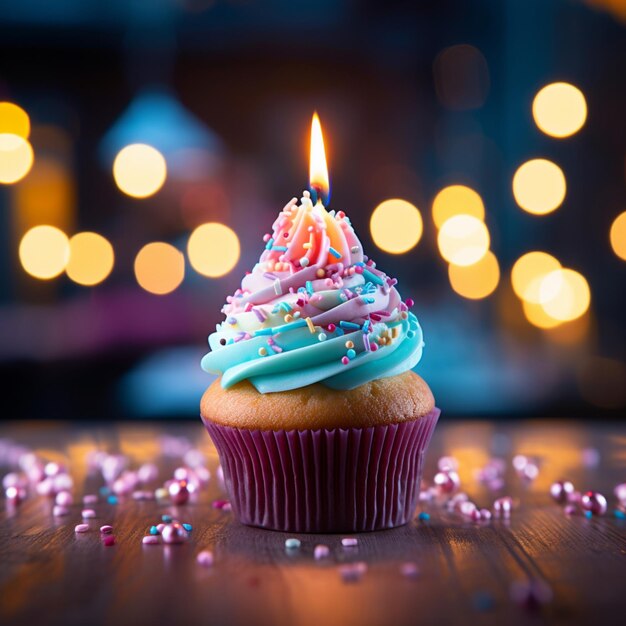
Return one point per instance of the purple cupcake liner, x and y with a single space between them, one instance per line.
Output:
325 481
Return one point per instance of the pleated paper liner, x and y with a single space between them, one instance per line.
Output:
325 481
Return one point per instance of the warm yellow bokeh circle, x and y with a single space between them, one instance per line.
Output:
91 259
475 281
565 294
457 200
44 252
16 158
139 170
617 236
213 249
539 186
159 267
463 240
528 272
14 120
396 226
560 110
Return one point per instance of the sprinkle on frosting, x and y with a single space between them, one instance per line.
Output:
313 309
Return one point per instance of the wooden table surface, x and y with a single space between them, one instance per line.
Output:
50 575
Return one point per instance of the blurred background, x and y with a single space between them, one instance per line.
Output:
146 146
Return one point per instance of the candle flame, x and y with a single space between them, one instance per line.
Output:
318 170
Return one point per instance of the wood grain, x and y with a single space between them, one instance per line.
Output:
50 575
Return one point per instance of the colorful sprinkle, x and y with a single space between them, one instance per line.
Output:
88 514
309 323
205 558
349 344
322 337
107 529
151 540
423 516
154 530
112 499
309 287
373 277
619 514
349 542
345 360
320 552
278 290
166 519
81 528
349 325
304 261
108 540
334 252
292 543
188 527
352 572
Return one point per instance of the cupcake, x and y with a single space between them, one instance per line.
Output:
318 419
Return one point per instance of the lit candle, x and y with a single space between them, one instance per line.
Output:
318 169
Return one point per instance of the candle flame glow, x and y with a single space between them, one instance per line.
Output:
318 169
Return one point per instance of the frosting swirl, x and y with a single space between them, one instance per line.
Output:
313 309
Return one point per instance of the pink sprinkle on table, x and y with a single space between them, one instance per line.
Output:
64 498
60 511
106 529
320 552
151 540
88 514
108 540
349 542
205 558
90 498
81 528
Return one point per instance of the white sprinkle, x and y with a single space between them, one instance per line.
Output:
277 287
60 511
292 543
81 528
349 542
354 249
106 529
88 514
151 540
321 552
304 261
205 558
322 336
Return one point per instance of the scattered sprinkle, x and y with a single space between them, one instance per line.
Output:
151 540
262 351
345 360
166 519
423 516
351 354
107 529
349 542
334 252
112 499
619 514
188 527
320 552
309 323
88 514
349 325
292 543
322 337
90 498
205 558
81 528
154 530
352 572
278 290
349 344
108 540
309 287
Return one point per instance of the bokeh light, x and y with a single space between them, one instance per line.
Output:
528 272
560 109
565 294
14 120
213 249
539 186
139 170
463 240
475 281
159 267
91 259
44 251
16 158
396 226
617 236
538 317
457 200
